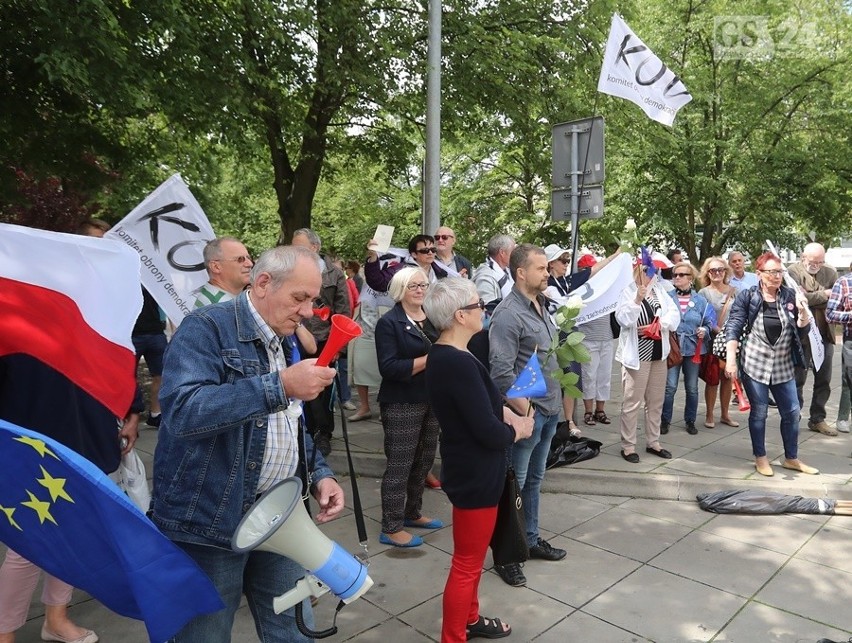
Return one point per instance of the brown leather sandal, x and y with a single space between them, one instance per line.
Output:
589 418
601 417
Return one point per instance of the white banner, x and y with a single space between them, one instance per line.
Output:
601 292
169 231
630 70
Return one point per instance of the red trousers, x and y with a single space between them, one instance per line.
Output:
472 529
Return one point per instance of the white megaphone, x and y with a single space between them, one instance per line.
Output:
278 522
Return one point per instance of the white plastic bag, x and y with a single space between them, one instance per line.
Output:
133 481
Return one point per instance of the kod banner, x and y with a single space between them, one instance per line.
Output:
169 231
632 71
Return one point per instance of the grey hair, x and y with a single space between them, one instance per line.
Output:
520 257
280 263
401 279
313 237
445 298
213 249
499 242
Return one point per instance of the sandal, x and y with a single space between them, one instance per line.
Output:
488 628
589 418
601 417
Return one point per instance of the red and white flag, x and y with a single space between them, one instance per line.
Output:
71 302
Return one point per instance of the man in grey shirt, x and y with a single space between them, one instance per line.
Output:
519 326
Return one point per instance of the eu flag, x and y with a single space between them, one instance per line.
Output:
530 381
648 262
62 513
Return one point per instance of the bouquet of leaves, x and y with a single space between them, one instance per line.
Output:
568 346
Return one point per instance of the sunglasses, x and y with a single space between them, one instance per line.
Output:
443 237
565 261
480 304
241 259
716 271
413 287
426 251
682 274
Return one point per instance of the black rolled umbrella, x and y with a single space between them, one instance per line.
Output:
757 502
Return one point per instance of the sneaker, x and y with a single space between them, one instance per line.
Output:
690 428
843 426
545 551
322 441
822 427
349 406
153 420
511 574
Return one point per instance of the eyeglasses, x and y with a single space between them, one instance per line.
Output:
443 237
772 273
240 259
716 271
480 304
682 274
413 287
426 251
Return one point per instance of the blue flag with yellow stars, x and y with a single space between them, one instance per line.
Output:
62 513
530 381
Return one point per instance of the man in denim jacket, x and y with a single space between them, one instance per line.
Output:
226 437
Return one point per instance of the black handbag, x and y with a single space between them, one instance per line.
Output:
509 540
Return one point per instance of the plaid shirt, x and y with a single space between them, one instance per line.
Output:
839 307
767 363
281 455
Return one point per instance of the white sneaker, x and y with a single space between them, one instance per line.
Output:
843 426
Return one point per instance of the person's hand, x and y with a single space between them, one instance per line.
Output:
129 431
329 495
305 380
372 255
701 332
801 302
731 368
463 272
641 291
523 426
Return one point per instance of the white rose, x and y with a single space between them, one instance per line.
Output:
630 225
574 302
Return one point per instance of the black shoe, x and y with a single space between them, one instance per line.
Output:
511 574
322 441
632 458
662 453
545 551
690 428
664 427
771 402
154 420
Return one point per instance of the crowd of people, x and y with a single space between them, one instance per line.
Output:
442 343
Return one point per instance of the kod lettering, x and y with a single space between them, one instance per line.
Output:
161 214
624 51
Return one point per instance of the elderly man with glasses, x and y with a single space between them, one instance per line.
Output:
228 265
816 280
445 241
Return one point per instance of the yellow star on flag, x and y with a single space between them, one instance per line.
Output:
38 445
56 486
41 508
9 511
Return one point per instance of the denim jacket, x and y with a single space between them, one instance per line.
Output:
746 307
217 393
699 312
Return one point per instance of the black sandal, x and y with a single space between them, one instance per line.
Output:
488 628
601 417
589 418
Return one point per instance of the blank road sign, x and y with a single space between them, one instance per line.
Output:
590 151
591 203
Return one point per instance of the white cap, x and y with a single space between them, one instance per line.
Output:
553 252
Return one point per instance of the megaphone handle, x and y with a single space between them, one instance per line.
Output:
305 588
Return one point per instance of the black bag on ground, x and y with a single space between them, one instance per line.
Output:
509 540
566 449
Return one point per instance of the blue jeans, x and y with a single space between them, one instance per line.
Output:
788 406
690 382
261 576
529 458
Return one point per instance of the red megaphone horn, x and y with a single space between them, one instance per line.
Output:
343 331
696 357
323 312
741 398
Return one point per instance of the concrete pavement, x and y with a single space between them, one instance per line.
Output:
644 562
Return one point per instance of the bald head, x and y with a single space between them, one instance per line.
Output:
813 257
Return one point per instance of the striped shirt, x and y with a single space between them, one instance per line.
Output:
650 350
281 454
765 361
210 294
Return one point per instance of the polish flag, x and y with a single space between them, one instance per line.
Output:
71 302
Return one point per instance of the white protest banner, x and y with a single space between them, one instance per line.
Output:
631 71
817 347
601 292
168 230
